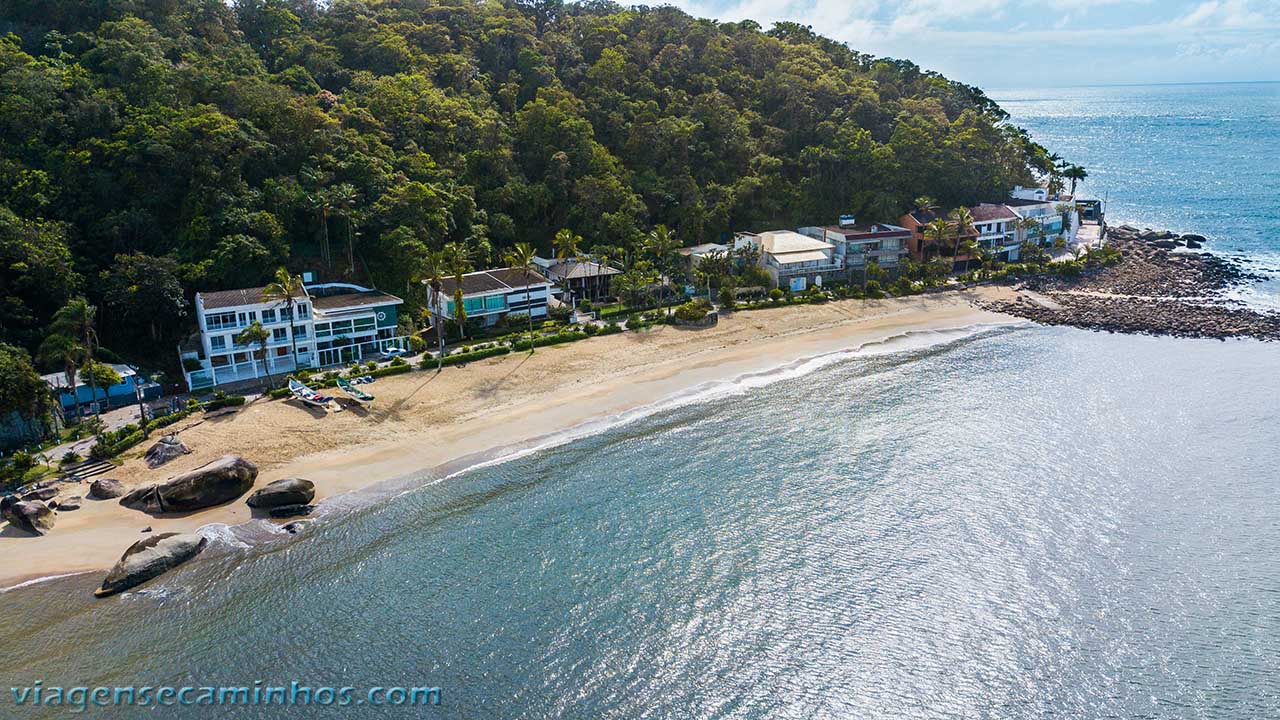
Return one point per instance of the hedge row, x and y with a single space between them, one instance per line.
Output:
557 339
461 358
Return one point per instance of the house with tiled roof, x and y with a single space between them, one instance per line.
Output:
490 295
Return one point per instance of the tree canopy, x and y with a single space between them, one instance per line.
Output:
147 145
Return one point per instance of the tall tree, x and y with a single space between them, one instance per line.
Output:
458 261
75 322
257 334
521 256
661 244
962 220
285 290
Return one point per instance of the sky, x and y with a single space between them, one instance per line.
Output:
1003 44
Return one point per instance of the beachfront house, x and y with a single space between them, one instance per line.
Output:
857 244
490 295
923 248
997 231
335 324
793 260
79 400
695 254
579 279
1048 218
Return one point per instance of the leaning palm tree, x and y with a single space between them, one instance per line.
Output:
458 261
75 321
66 352
962 218
255 333
661 245
521 256
286 289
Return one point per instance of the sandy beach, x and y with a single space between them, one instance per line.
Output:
427 420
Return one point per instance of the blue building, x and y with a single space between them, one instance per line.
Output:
122 393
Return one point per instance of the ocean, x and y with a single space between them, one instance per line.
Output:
1010 522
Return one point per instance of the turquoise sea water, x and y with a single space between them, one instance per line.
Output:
1024 522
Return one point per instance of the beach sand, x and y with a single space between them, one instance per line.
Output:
427 420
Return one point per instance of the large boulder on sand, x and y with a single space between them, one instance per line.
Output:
105 489
33 516
43 494
290 491
167 449
149 558
220 481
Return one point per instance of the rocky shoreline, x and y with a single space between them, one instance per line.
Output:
1162 287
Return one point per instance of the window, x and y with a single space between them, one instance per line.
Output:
220 321
279 335
323 330
218 342
282 351
268 316
300 331
494 302
473 305
220 360
363 324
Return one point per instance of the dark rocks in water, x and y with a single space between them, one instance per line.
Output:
47 493
295 527
1192 237
149 558
146 529
106 489
215 483
1194 245
290 491
285 511
167 449
1165 244
32 516
69 503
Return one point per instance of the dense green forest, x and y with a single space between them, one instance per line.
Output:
152 148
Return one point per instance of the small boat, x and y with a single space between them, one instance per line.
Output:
354 392
307 395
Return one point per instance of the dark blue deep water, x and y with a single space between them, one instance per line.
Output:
1191 158
1026 523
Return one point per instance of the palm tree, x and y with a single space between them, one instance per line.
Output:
925 204
432 273
75 321
937 231
320 202
458 261
521 256
255 333
565 247
974 250
661 244
343 198
963 220
286 289
1075 173
64 351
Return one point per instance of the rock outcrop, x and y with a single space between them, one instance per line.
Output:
290 491
218 482
31 516
167 449
69 503
149 558
106 489
42 494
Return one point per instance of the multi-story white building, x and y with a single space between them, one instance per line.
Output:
489 295
1049 215
997 233
334 324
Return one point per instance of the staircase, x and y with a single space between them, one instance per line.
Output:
88 469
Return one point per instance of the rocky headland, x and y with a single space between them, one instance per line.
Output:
1163 286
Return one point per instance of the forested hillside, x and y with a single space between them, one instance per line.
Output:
151 148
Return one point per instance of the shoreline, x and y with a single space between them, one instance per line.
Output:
491 416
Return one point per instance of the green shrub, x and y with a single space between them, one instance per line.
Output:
398 361
191 364
693 311
727 298
776 295
590 329
611 328
872 289
557 339
279 393
225 401
462 358
417 344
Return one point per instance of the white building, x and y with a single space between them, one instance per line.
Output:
856 244
1049 215
489 295
997 232
793 260
335 323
